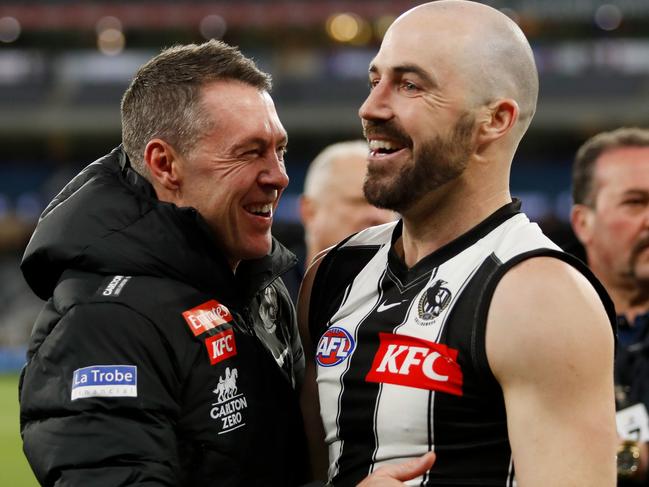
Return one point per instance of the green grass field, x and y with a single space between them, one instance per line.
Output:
15 471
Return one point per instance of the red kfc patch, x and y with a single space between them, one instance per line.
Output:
221 346
206 316
414 362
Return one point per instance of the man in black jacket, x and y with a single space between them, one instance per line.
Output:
167 351
611 219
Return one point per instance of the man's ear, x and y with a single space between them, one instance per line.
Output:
582 219
496 120
163 164
307 210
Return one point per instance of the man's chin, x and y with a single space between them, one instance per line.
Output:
640 267
380 192
642 275
251 251
262 249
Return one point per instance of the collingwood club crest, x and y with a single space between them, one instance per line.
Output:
432 302
269 309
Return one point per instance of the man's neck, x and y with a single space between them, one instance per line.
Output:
433 223
630 299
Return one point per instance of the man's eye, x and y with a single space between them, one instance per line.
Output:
408 86
634 202
372 83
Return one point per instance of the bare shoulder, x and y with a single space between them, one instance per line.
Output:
304 297
545 311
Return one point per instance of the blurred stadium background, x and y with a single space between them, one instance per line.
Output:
65 64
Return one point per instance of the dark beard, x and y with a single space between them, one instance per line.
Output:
639 247
435 164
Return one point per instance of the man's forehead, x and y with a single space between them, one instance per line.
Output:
629 159
428 52
623 168
246 106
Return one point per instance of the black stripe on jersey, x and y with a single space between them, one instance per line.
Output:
476 419
357 421
330 285
431 437
342 383
441 338
490 284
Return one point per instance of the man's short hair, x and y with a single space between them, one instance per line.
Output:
164 98
583 169
318 173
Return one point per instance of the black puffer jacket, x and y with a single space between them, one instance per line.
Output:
151 363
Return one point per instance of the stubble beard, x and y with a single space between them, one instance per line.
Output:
437 162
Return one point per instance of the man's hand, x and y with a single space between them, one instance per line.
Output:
393 475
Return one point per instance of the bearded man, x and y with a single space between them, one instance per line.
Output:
610 188
460 329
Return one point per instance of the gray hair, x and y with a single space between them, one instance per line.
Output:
164 98
319 169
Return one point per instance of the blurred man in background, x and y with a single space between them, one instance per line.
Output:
461 329
333 205
167 352
611 219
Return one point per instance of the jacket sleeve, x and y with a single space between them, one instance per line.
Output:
293 340
98 401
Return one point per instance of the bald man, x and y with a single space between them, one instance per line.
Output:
333 205
460 329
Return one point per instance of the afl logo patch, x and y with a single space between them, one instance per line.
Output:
334 347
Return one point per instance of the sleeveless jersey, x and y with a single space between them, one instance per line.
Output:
401 360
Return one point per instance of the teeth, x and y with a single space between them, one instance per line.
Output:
262 209
383 144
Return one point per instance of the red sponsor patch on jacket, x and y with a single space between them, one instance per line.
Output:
206 316
414 362
221 346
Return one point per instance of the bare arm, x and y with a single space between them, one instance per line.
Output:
309 400
550 345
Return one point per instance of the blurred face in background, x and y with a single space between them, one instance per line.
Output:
615 231
339 207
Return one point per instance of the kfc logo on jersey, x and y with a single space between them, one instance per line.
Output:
413 362
206 316
221 346
334 347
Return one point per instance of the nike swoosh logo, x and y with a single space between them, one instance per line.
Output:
384 307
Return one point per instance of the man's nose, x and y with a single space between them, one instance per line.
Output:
275 173
377 104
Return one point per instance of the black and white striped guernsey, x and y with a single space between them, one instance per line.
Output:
401 360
